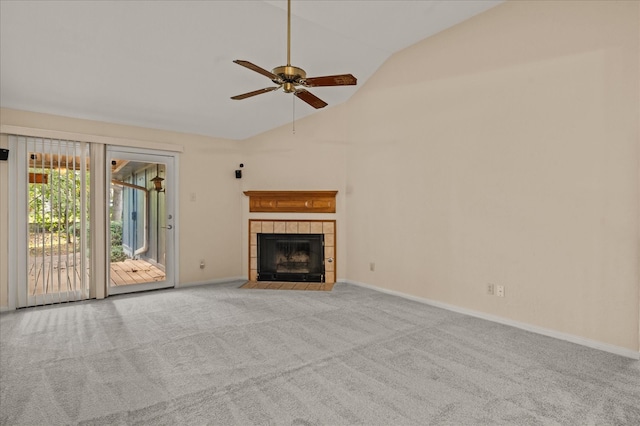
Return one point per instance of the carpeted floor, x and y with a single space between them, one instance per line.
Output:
227 356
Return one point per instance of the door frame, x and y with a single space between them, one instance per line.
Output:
171 202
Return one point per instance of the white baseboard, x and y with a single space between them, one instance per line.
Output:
594 344
207 282
6 309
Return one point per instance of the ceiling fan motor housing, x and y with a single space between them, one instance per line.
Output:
290 76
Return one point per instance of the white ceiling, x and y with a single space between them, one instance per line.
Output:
168 64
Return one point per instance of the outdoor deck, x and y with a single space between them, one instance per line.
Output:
53 274
134 272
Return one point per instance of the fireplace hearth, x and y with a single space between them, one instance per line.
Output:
290 257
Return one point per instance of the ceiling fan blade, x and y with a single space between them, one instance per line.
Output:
257 69
331 80
254 93
310 98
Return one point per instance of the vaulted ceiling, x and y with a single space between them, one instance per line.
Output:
168 64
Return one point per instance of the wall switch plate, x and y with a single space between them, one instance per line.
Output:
490 289
372 266
500 290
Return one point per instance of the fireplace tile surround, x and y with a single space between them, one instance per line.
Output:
271 226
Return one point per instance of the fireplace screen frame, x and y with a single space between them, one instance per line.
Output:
281 257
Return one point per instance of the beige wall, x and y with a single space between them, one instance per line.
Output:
505 151
208 227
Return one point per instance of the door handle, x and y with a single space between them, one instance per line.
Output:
167 227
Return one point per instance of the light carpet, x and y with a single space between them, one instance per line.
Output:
221 355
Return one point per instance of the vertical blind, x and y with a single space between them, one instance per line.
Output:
58 178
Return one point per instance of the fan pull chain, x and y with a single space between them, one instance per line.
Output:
293 121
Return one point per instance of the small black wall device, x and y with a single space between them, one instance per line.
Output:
239 172
4 154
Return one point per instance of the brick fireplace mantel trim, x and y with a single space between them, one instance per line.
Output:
292 201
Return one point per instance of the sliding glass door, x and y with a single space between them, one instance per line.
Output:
58 178
49 221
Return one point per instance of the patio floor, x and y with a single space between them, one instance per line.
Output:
134 272
52 274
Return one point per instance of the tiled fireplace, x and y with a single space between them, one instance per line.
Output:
325 229
292 250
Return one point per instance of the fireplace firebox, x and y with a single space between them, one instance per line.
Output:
291 257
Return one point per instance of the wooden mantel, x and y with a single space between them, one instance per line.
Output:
292 201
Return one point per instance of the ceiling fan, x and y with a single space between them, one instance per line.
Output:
291 78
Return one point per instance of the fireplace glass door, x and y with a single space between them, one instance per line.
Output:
291 257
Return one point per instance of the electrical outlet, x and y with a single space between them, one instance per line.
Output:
372 266
500 290
490 289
